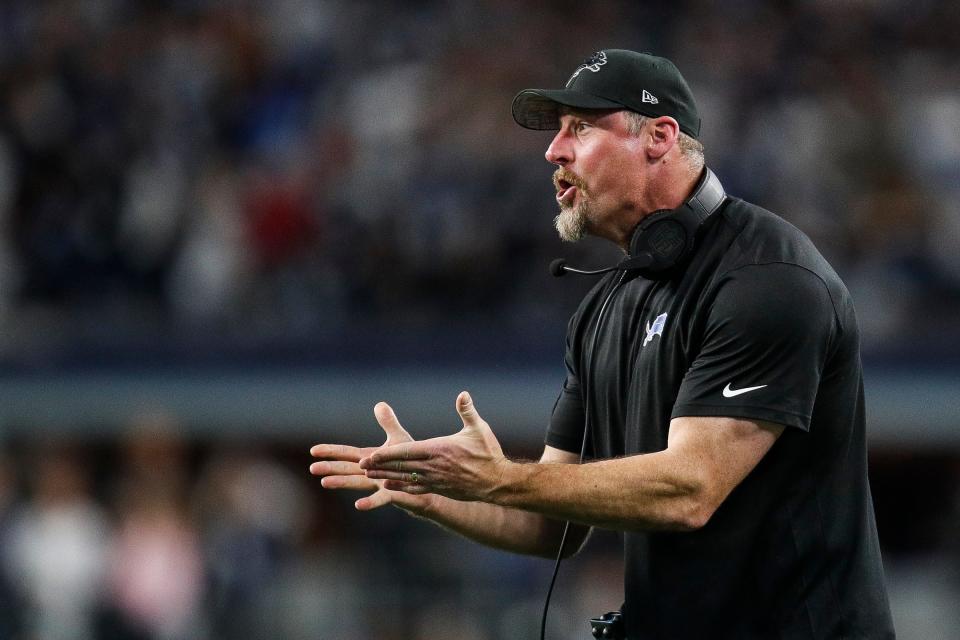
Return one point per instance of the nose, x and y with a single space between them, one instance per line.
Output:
560 151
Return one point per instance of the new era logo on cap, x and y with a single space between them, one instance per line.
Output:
649 97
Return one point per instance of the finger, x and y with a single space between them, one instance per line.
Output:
373 501
397 453
331 468
389 422
340 452
392 474
350 483
468 413
406 487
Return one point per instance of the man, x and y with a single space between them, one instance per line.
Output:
713 384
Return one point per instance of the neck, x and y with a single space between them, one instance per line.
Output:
667 188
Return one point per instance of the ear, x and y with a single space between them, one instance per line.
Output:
663 133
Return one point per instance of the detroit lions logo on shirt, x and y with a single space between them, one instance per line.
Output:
656 329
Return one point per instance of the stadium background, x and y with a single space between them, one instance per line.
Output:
227 229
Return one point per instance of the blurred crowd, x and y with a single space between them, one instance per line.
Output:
157 537
198 178
123 556
161 535
226 172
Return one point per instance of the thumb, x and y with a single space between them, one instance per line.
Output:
468 413
389 423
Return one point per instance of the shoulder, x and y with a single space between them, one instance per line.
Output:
764 240
763 236
775 295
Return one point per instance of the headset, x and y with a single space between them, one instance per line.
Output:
664 240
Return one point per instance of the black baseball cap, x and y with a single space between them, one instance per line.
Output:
614 79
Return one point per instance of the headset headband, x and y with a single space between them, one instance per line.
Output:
707 196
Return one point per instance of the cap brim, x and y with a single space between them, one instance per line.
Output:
539 108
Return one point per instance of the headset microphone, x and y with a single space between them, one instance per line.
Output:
559 268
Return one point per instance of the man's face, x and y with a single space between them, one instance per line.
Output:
599 163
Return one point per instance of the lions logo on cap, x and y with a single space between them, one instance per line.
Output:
593 63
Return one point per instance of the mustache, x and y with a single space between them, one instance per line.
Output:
569 177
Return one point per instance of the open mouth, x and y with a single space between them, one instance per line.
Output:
566 191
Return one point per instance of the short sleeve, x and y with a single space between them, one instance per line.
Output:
764 347
567 421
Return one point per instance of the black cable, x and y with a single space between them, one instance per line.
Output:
583 450
553 580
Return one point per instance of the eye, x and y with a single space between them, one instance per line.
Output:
581 126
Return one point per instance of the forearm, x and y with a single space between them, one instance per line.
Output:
678 488
500 527
652 491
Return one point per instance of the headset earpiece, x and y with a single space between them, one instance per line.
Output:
664 240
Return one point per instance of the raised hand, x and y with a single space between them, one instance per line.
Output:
339 468
467 465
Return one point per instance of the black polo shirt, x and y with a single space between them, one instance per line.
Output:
757 326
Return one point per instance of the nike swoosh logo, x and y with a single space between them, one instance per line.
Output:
729 393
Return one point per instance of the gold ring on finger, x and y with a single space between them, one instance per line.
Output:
399 466
415 478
